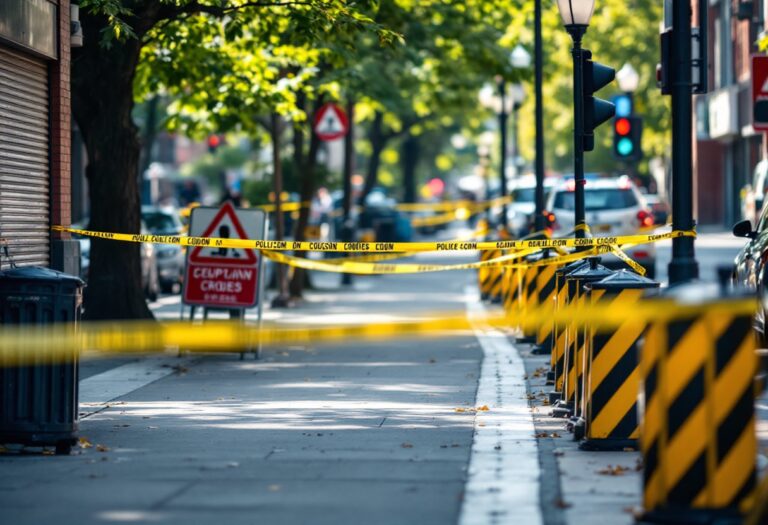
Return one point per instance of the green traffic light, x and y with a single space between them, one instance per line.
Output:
625 147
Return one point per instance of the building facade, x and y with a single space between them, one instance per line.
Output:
726 147
35 129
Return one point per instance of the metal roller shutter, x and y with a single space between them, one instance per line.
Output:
24 167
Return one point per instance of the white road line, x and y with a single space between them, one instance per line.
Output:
504 473
96 391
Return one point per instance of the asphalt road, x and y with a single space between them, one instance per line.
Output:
713 249
338 433
346 432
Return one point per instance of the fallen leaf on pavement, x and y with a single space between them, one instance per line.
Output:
459 409
635 511
84 443
483 408
610 470
561 504
102 448
407 445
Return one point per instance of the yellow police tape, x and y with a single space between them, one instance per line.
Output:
367 268
379 247
364 267
28 345
391 256
284 206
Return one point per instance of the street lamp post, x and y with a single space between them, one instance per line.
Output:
505 101
517 93
539 220
503 118
576 15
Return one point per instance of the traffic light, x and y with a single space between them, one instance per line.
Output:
214 141
627 134
596 111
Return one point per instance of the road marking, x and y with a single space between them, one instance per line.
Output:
100 389
504 473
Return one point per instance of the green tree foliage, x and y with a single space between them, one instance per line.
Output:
451 49
620 32
197 50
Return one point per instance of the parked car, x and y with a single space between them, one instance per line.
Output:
659 208
170 257
520 211
750 269
150 281
614 206
753 194
381 217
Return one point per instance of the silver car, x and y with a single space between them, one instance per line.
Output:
614 206
170 257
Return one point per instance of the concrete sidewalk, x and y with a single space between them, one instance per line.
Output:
339 433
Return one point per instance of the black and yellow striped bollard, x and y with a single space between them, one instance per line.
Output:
495 275
531 293
506 283
484 276
545 285
698 436
557 359
612 375
575 342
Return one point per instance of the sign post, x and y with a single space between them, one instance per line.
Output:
331 122
224 278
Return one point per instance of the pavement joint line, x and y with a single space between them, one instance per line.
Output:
99 390
504 472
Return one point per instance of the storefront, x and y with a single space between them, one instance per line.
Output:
34 131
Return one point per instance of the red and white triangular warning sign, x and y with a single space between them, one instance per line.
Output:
224 225
331 122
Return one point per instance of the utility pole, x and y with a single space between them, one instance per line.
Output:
683 266
539 220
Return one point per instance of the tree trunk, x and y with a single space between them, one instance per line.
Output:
410 158
378 142
308 188
102 101
277 173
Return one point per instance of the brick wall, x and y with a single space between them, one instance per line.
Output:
61 126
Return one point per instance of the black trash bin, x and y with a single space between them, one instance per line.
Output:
38 401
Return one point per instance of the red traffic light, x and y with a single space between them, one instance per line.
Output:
622 126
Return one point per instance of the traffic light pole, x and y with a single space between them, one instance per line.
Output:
577 32
539 219
683 266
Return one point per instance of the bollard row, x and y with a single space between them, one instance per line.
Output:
681 390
